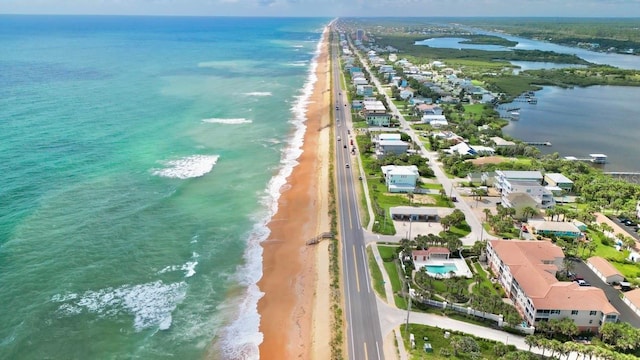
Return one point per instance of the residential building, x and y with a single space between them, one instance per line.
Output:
434 120
500 142
605 271
400 179
387 136
503 175
376 113
555 228
464 148
632 298
558 180
364 90
527 272
542 196
391 147
420 258
519 201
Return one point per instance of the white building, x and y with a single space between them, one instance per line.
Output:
400 179
542 196
527 272
605 271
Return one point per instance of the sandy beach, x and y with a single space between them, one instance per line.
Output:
295 308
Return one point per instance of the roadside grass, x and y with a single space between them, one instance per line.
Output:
376 274
461 230
616 258
441 346
431 186
390 265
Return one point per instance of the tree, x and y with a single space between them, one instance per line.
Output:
528 211
487 214
532 341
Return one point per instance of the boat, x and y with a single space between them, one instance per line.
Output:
514 115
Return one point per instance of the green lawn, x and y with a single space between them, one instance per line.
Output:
475 109
435 337
431 186
387 252
462 230
376 274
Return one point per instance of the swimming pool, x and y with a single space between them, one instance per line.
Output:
441 269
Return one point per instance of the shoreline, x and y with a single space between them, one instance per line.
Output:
289 309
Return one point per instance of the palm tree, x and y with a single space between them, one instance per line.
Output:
532 340
528 211
487 214
606 228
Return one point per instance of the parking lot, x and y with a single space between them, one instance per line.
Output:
626 314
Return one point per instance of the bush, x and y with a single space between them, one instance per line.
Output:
445 352
605 241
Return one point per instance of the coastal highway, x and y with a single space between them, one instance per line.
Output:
364 337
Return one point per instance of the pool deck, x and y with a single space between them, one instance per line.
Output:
461 266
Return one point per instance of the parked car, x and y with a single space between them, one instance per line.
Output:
583 283
630 223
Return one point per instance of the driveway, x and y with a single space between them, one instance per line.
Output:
626 314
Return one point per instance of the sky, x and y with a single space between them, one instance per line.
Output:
329 8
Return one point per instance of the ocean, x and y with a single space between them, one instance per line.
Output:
142 158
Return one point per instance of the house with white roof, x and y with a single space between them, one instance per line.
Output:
464 148
527 272
387 136
400 179
558 180
542 196
391 147
500 142
375 113
434 120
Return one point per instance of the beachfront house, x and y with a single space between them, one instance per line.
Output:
500 142
376 113
400 179
364 90
526 270
391 147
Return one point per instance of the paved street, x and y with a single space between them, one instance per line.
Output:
626 314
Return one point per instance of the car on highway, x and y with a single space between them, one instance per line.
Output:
345 146
346 165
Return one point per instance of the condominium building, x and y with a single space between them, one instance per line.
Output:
527 272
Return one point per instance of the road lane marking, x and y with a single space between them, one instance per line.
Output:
364 261
355 265
378 349
348 202
365 351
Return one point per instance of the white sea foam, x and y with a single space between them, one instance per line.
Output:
258 93
228 121
240 340
187 167
150 304
298 63
189 267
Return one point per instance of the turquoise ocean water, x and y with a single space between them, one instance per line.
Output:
141 158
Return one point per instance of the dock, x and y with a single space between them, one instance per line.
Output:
594 158
538 143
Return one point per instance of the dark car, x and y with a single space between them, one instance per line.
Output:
454 199
630 223
345 146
